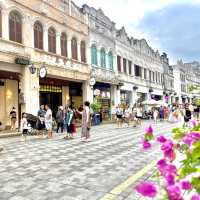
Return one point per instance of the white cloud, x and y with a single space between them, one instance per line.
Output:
129 13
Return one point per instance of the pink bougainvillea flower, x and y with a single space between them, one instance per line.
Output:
193 122
146 189
190 138
161 163
146 145
168 145
170 179
149 130
186 185
165 168
170 155
174 192
195 197
161 139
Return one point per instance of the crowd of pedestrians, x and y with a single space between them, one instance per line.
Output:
65 121
66 118
182 114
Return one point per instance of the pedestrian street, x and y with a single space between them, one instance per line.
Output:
58 169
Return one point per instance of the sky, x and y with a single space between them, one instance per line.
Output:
171 26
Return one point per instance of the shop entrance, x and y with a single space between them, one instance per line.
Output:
104 98
51 95
57 92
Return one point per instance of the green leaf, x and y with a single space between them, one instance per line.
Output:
196 183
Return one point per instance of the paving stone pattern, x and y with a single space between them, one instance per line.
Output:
57 169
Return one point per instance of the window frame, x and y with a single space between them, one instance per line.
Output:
103 57
15 26
94 59
125 65
110 60
83 51
130 67
52 40
119 64
63 44
40 38
74 49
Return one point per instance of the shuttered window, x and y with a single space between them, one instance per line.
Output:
110 60
94 55
0 23
83 52
119 63
15 27
63 44
103 58
74 49
52 40
38 35
130 67
124 65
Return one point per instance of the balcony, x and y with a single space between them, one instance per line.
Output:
12 48
105 75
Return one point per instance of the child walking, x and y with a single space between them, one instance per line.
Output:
24 126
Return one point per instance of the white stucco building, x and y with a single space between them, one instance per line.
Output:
140 68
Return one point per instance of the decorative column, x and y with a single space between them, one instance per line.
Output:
88 92
27 32
69 49
45 38
79 50
5 25
58 47
30 88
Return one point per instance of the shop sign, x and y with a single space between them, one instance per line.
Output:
43 72
22 61
92 81
97 92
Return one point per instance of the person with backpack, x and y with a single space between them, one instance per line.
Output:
13 117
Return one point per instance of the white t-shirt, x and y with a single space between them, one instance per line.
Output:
48 116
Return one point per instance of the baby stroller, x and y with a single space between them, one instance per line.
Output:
32 121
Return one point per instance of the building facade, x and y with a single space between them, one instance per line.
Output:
168 82
186 75
140 68
43 55
103 59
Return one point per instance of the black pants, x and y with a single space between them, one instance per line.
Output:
60 125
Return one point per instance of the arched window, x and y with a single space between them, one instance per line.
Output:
94 55
38 35
0 23
52 40
83 53
74 49
103 57
110 60
15 27
63 44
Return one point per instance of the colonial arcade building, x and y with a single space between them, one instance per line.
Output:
43 55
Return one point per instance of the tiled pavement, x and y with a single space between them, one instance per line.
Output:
57 169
